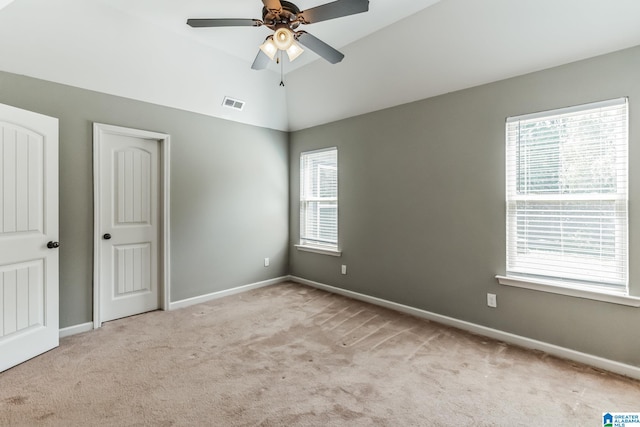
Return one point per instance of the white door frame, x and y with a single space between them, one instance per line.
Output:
164 276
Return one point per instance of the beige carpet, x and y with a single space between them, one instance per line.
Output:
289 355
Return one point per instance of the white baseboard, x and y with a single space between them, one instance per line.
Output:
215 295
562 352
76 329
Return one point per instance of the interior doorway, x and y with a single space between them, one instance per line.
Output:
131 222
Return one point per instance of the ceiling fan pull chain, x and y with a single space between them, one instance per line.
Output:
281 70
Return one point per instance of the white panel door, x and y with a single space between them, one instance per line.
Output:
28 235
129 224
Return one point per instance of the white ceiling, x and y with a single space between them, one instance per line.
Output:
399 51
3 3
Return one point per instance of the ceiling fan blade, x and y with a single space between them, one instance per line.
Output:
197 23
261 61
336 9
272 5
318 46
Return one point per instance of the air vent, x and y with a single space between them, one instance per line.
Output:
236 104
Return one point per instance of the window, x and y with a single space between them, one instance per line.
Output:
319 199
567 196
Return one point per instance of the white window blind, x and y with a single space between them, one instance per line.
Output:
567 195
319 198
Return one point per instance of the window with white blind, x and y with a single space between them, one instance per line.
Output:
319 199
567 196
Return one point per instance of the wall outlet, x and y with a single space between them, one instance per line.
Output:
344 269
266 262
492 301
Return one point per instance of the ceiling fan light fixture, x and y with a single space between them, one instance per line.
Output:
294 51
269 48
283 38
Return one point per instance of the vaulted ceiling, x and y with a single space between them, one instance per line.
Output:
400 51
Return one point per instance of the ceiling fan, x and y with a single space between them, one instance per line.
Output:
284 18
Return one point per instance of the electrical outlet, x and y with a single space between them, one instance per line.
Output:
266 262
492 301
344 269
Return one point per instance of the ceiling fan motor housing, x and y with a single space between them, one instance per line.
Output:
286 17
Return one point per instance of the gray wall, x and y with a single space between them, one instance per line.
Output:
422 211
229 191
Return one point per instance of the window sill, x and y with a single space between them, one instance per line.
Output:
555 288
318 250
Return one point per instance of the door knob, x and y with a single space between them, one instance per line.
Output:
107 236
53 245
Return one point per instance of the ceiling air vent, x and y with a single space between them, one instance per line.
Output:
236 104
